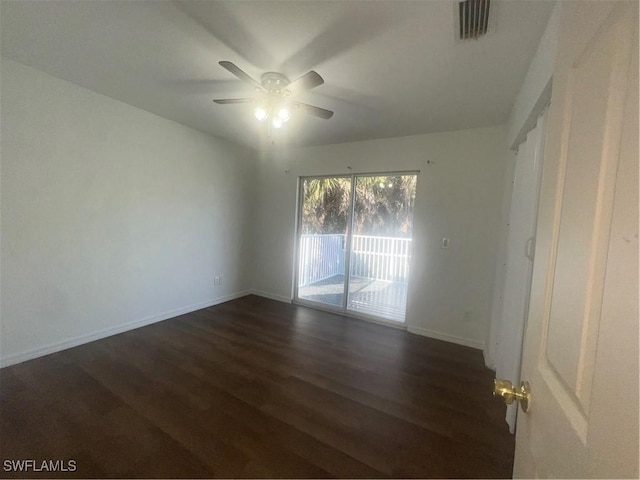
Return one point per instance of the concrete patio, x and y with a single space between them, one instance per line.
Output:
367 296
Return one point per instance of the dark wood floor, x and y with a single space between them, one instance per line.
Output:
257 388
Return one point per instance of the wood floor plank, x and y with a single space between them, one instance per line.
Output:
255 388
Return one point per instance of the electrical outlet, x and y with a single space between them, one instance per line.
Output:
445 243
217 280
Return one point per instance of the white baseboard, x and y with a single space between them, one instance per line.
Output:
425 332
109 331
272 296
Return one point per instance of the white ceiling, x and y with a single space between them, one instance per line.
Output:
391 68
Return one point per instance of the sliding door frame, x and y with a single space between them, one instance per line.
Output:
348 243
342 310
296 268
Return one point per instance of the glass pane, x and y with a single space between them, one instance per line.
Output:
321 249
381 245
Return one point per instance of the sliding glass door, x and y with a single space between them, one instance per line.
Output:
325 210
354 243
381 245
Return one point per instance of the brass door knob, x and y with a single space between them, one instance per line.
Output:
506 390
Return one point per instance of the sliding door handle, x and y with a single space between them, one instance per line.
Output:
530 248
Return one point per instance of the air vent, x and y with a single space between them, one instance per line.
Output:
473 18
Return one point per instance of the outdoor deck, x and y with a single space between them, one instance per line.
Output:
368 296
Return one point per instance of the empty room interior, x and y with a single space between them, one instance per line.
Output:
319 239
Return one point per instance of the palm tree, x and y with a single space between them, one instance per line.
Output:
325 205
383 205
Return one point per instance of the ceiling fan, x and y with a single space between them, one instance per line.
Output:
276 103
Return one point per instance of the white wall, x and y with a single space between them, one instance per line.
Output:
111 217
459 196
493 333
535 91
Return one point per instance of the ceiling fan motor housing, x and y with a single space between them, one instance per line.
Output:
275 82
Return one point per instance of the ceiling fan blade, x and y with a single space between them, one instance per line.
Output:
225 101
241 74
306 82
315 111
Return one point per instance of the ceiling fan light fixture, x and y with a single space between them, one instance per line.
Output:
284 114
260 113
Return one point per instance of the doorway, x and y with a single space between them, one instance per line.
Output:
354 243
520 256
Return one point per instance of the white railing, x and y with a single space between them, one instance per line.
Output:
321 257
381 258
378 258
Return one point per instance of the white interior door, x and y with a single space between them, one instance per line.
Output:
520 250
581 343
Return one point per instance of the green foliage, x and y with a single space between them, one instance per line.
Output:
383 206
